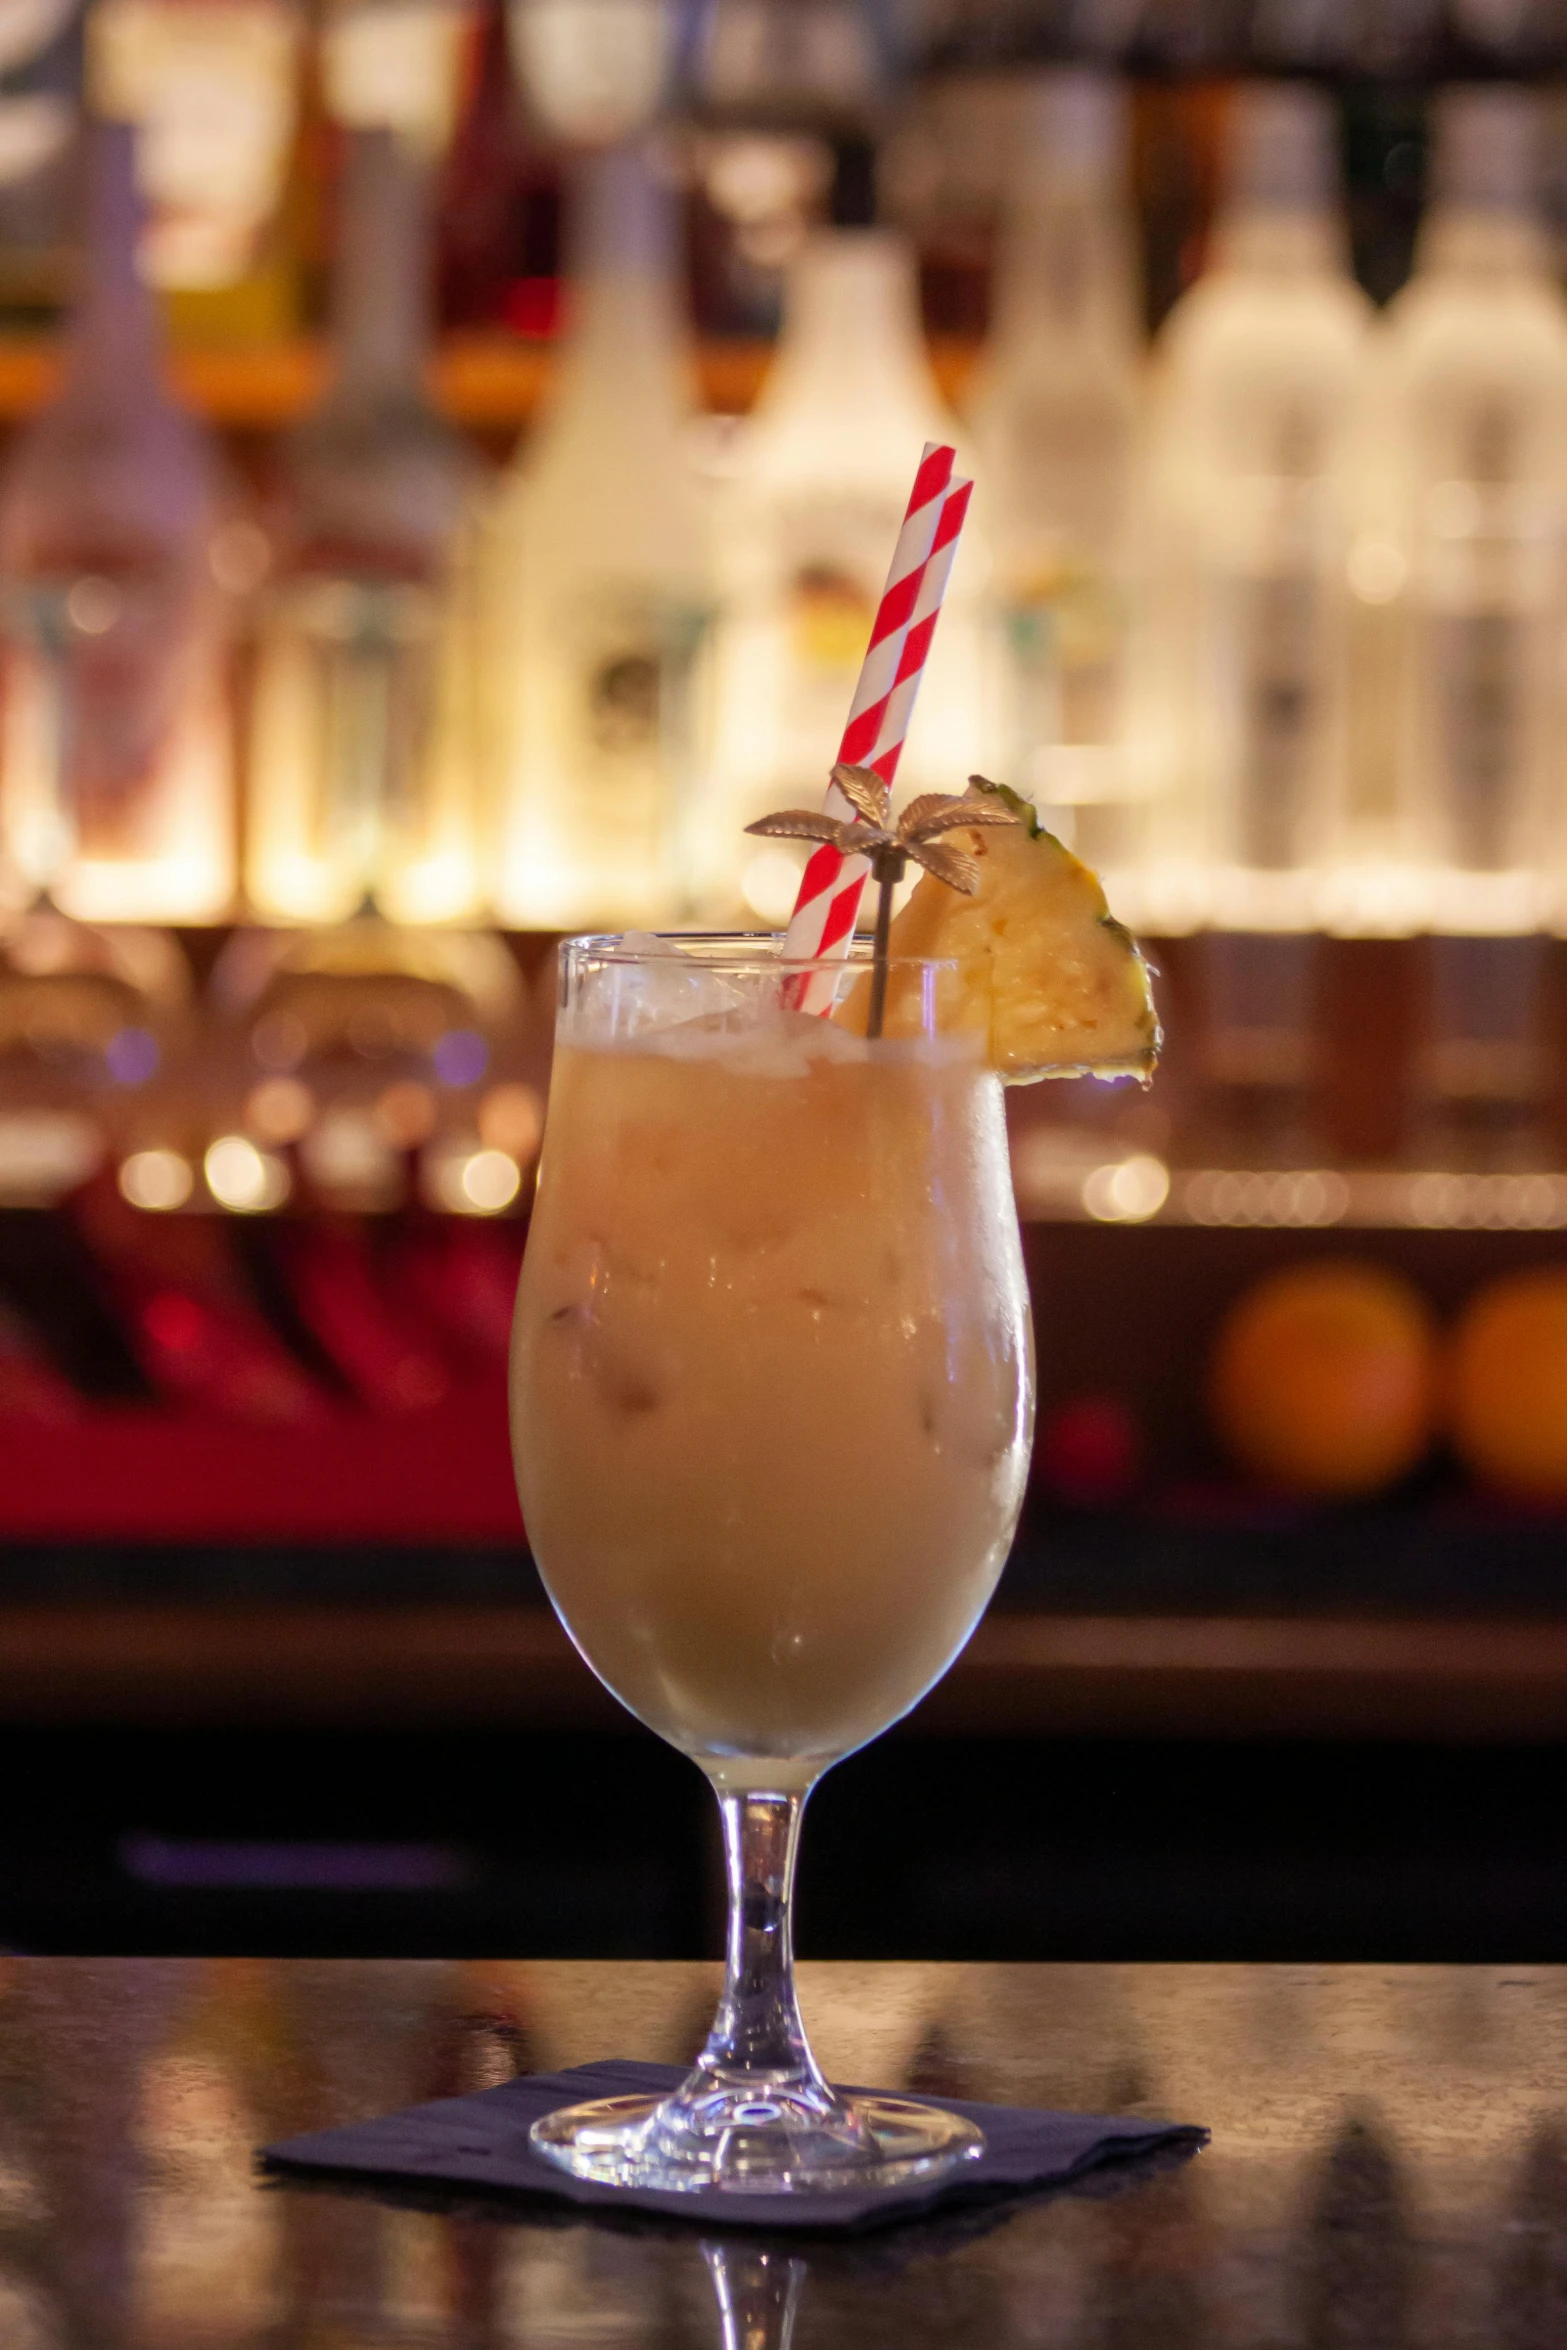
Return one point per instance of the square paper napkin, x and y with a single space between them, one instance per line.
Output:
481 2142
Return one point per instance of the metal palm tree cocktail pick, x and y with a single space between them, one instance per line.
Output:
888 847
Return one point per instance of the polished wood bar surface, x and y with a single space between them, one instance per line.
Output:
1388 2163
1023 1673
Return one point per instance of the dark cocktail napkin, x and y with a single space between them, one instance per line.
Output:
481 2142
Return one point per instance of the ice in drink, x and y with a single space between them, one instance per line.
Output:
771 1377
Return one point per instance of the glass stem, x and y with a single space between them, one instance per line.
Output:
757 2033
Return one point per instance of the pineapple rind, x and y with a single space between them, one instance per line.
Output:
1024 810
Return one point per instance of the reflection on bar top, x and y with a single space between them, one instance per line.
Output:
1388 2161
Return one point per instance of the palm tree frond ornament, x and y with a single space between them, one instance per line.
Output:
889 846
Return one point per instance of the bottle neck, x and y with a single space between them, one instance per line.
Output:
624 309
115 328
851 343
851 287
1482 243
1066 273
1280 241
381 284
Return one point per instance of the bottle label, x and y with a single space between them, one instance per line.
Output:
347 698
1066 635
830 557
104 671
1482 695
627 661
823 576
116 743
830 617
1274 698
808 568
1066 646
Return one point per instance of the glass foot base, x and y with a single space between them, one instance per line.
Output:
760 2143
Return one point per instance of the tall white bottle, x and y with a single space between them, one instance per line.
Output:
1466 510
1055 423
599 588
1258 381
809 520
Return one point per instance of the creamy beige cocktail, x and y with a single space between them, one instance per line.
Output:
770 1385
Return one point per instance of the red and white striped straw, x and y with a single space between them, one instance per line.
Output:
832 884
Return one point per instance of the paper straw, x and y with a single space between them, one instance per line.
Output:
832 884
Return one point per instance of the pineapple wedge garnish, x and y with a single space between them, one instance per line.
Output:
1058 986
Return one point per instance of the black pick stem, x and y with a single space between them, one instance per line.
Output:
886 871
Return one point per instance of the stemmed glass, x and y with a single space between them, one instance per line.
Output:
771 1410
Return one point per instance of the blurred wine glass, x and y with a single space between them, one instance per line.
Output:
370 1060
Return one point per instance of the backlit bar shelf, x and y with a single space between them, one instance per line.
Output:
1064 1180
486 382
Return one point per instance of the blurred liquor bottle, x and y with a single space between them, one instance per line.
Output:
1260 375
213 87
753 200
119 552
952 176
364 716
1466 537
40 87
403 65
598 583
498 200
810 516
769 81
1055 419
1467 498
1259 372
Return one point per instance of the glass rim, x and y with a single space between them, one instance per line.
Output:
738 950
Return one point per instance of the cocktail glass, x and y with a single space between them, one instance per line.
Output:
771 1407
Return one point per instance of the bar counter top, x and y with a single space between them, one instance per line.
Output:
1388 2162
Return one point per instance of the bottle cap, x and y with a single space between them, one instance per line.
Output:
1073 126
595 73
1282 149
1486 149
